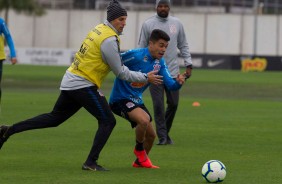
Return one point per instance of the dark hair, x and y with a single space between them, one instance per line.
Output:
158 34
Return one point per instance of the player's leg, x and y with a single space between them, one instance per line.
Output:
64 108
157 94
139 118
142 119
96 104
149 138
172 104
144 136
150 133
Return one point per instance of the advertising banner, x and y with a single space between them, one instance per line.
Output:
236 62
50 56
44 56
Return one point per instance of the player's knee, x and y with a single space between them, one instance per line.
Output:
112 122
109 122
144 122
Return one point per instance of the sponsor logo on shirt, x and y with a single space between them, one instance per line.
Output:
137 84
134 99
129 59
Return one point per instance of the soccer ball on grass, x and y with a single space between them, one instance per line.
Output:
214 171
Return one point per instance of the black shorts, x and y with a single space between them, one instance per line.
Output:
122 107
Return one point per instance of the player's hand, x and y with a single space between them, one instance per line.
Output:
181 78
188 73
14 60
153 78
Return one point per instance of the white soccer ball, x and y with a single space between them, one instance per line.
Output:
214 171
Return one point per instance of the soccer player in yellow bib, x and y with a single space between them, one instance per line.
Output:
98 55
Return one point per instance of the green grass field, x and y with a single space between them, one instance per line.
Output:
238 123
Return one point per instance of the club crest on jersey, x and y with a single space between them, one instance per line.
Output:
145 59
172 29
157 66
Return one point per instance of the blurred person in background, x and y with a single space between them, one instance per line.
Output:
98 55
5 36
174 28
